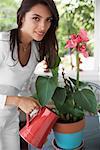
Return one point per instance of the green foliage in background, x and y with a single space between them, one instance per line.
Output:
73 16
8 10
76 15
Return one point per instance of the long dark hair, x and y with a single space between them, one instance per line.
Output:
49 45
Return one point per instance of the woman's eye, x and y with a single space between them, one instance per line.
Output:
35 18
49 19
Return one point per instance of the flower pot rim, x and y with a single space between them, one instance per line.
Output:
69 127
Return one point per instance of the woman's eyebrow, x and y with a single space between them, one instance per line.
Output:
37 15
41 16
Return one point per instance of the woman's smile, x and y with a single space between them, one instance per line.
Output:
40 34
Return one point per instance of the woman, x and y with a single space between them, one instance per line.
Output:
20 50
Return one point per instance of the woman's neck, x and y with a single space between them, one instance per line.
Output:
24 38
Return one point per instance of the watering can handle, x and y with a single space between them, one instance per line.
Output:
31 115
27 119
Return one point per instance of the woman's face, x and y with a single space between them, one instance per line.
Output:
36 22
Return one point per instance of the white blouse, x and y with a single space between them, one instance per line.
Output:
12 75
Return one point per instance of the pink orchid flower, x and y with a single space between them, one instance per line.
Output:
85 54
83 35
73 36
71 44
78 39
82 49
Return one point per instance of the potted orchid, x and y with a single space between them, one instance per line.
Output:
80 94
72 100
77 44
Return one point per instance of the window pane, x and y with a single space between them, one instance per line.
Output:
74 15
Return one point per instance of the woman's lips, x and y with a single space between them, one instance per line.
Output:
40 33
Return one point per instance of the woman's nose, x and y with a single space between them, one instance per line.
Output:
42 25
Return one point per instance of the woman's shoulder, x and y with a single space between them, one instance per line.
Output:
5 36
4 42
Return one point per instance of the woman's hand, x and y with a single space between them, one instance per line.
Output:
42 69
44 66
28 104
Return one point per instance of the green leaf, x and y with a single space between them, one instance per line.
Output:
55 72
57 61
86 100
81 84
59 97
45 87
67 106
55 67
76 112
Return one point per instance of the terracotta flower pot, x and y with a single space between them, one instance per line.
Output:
69 135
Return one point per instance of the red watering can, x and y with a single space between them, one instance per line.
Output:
38 127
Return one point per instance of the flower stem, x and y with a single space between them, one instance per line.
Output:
77 70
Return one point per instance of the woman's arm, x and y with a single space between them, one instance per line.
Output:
26 104
2 100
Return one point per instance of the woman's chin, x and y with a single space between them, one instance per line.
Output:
38 38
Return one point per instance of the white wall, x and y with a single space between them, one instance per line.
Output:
97 35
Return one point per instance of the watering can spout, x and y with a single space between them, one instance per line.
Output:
38 127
